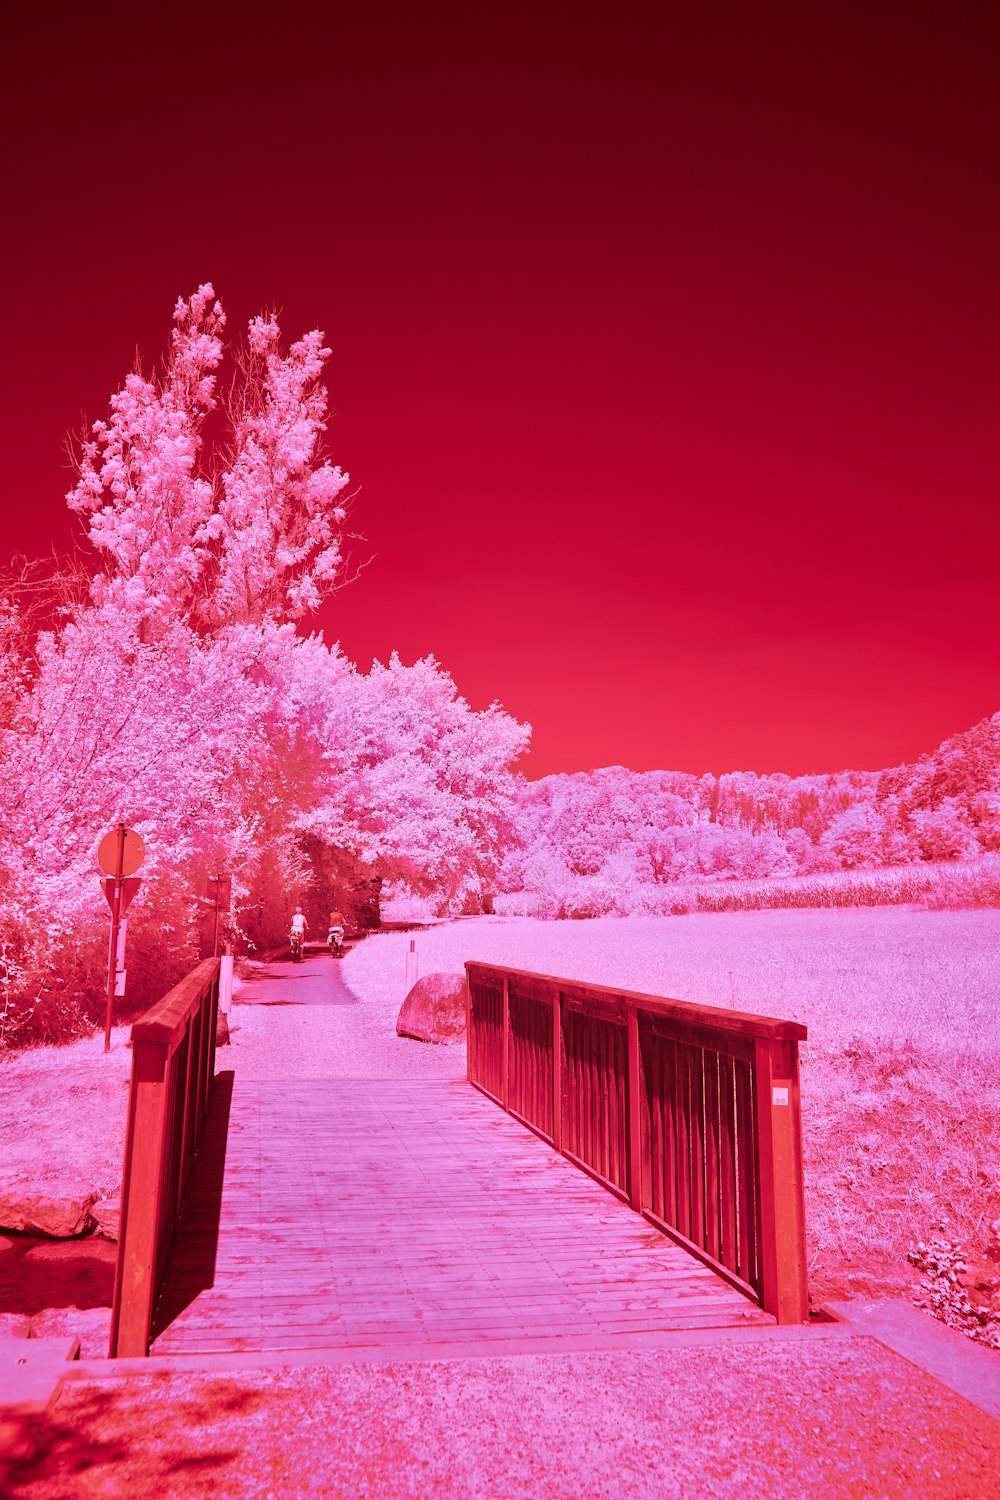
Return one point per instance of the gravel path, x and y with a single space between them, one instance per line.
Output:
798 1420
316 1020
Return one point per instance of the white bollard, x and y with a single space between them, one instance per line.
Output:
411 965
226 983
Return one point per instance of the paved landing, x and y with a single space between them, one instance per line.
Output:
358 1213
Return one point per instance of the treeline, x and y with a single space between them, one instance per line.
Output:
609 840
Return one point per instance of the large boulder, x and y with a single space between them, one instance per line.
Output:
107 1216
57 1206
434 1010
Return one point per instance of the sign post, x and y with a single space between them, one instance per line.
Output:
119 854
220 889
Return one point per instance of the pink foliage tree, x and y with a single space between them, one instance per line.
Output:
175 691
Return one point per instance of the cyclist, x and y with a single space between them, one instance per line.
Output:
335 933
298 933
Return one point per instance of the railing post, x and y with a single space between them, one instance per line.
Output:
557 1069
213 1026
782 1209
634 1114
173 1051
505 1092
140 1207
468 1026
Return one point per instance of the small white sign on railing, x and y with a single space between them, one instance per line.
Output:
780 1096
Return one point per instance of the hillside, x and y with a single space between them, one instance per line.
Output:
594 836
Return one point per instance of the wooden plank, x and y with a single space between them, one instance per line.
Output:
336 1241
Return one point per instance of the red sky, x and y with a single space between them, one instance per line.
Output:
665 344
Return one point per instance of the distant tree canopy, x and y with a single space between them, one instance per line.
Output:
593 841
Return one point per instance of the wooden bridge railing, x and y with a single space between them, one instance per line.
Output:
688 1112
173 1065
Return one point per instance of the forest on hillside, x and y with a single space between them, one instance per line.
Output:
166 676
610 840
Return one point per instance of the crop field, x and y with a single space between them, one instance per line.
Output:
900 1075
948 885
931 978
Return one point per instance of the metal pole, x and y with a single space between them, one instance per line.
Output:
218 892
116 905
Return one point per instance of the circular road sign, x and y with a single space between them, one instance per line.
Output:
132 855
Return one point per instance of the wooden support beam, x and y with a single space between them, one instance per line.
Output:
780 1196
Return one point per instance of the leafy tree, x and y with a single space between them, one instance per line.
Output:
176 693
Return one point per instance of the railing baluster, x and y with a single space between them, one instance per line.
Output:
727 1161
712 1122
557 1133
583 1075
682 1148
668 1163
745 1174
505 1046
657 1106
696 1144
645 1144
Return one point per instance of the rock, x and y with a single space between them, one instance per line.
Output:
60 1209
434 1010
107 1216
91 1325
222 1030
13 1326
993 1245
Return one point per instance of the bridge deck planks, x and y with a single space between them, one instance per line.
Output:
359 1213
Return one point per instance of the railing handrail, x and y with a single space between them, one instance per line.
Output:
167 1020
745 1023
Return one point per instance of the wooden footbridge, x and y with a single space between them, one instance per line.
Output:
616 1166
